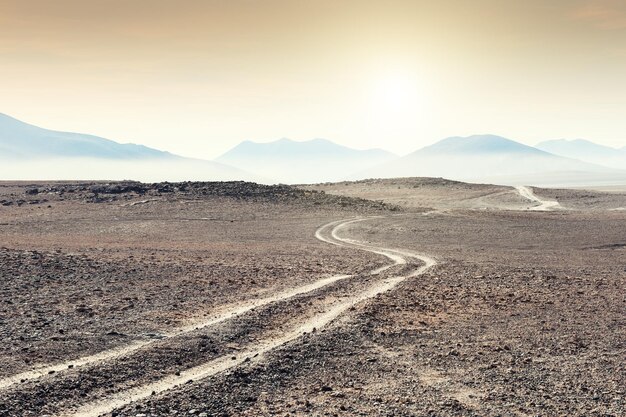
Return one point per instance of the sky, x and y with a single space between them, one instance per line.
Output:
196 77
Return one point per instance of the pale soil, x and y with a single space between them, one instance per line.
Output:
416 193
522 315
419 193
78 277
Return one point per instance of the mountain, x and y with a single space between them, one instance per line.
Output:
491 158
292 162
19 139
586 151
479 145
29 152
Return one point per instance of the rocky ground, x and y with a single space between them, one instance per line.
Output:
522 315
442 194
421 192
587 199
87 266
21 193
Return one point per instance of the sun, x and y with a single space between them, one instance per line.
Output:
396 98
396 91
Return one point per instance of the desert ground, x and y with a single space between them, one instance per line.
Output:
401 297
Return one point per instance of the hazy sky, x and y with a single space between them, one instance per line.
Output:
197 77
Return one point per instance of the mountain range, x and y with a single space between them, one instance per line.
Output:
30 152
317 160
490 158
23 140
585 150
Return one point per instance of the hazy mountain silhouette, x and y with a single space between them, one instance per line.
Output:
586 151
28 141
491 158
478 144
292 162
30 152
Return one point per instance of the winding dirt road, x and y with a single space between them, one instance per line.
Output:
544 205
118 394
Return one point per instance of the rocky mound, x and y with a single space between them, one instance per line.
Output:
100 192
415 182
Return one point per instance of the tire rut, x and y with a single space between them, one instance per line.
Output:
157 366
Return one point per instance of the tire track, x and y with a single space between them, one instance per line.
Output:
226 314
327 233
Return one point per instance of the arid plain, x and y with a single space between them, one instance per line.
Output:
401 297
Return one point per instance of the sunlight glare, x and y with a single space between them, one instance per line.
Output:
397 98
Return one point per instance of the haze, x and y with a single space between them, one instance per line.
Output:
198 77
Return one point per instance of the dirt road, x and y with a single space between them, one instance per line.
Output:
123 390
136 310
544 205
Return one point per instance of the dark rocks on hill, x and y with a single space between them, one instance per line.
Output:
100 192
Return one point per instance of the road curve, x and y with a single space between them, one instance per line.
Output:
225 313
544 205
328 233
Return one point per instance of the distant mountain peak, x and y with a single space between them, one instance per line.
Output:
490 158
317 145
28 141
586 150
312 160
483 144
573 144
31 152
